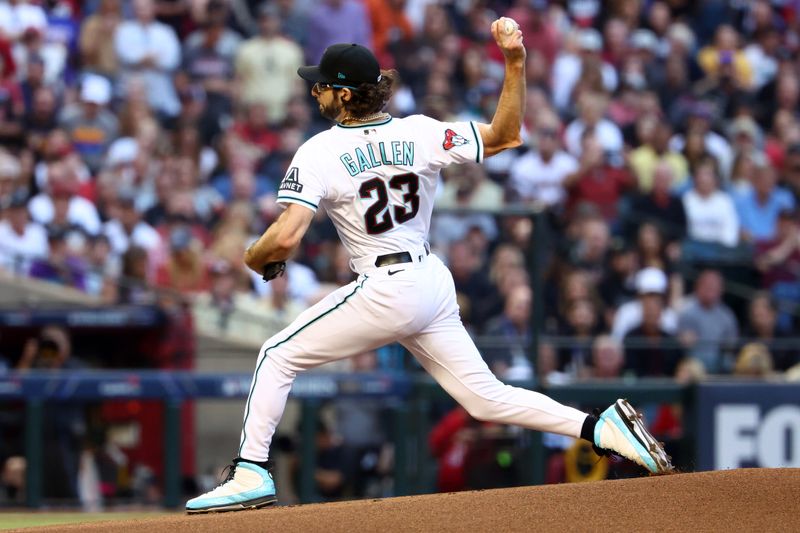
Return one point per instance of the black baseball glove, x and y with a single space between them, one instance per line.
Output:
273 270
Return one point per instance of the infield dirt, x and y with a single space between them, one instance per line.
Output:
733 500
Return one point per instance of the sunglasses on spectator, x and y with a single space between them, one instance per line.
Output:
547 132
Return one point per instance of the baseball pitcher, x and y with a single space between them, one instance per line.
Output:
376 175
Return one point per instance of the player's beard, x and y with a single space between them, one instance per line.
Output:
330 111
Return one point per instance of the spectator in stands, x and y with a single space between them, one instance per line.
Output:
10 175
725 51
208 56
778 260
754 360
280 305
103 269
389 26
592 107
62 266
134 287
608 358
742 171
149 49
654 155
214 310
651 283
710 212
40 117
329 467
254 134
538 176
12 104
512 328
466 451
336 21
32 44
183 269
651 248
363 428
62 181
763 328
658 207
706 326
596 181
618 283
700 140
16 17
468 186
126 227
540 31
21 240
590 251
649 350
90 125
266 65
579 61
791 170
758 207
64 423
74 235
745 135
582 325
228 310
96 55
471 282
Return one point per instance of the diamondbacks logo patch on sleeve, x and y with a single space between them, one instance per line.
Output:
291 182
452 139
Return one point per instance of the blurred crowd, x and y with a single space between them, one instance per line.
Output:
143 142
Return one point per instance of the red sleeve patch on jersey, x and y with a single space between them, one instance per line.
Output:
452 139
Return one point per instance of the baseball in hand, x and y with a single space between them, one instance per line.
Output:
510 26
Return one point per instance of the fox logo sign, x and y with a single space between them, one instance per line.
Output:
452 139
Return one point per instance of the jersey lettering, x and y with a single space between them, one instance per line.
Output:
377 182
396 154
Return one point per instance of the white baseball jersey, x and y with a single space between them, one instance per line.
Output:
378 181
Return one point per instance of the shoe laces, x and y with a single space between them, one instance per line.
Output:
228 472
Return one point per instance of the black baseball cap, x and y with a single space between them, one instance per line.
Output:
344 65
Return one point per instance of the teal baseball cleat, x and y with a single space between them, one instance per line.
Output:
248 486
620 430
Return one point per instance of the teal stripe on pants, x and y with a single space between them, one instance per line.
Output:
255 378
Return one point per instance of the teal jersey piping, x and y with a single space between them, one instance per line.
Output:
258 368
279 198
477 143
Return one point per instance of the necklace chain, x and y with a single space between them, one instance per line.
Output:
369 118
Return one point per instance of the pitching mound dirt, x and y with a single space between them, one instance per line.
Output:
734 500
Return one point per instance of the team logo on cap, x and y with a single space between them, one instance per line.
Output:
452 139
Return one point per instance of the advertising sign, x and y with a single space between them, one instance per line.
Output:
748 425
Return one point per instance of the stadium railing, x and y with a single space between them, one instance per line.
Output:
409 400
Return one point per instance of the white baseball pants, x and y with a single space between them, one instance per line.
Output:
416 306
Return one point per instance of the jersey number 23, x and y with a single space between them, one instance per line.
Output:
377 218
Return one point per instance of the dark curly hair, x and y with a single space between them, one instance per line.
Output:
371 98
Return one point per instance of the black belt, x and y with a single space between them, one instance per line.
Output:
396 258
